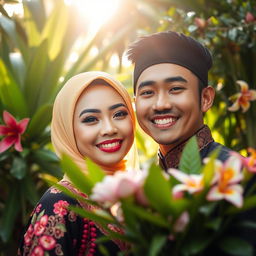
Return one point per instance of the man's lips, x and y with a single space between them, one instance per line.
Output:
110 146
165 121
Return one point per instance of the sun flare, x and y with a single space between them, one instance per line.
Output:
95 12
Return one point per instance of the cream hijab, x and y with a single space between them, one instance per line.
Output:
62 132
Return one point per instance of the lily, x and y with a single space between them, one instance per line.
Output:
12 132
226 180
242 99
191 183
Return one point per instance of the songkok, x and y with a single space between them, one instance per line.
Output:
170 47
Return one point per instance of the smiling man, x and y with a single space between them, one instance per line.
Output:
172 93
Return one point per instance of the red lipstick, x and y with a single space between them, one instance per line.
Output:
110 146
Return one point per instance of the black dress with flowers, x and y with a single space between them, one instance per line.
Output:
55 230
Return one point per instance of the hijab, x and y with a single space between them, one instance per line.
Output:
62 130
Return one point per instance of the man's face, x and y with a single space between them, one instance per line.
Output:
168 103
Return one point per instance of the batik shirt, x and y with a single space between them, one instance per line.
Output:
53 229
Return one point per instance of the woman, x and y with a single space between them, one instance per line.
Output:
92 117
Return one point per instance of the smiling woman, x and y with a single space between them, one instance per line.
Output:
95 12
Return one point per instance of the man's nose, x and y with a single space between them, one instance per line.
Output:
162 102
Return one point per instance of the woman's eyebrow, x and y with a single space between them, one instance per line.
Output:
117 106
90 110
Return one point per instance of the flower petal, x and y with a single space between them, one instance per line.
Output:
234 107
5 130
234 195
17 144
244 86
6 143
23 125
252 94
179 175
9 119
245 105
125 188
214 194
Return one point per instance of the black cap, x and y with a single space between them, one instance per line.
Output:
170 47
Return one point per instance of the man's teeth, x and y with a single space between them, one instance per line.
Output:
164 121
109 145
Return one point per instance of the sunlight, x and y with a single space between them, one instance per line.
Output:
96 12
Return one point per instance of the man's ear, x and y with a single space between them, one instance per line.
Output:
207 98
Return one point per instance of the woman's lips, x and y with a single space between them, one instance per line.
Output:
110 146
164 121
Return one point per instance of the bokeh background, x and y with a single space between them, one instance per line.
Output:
45 42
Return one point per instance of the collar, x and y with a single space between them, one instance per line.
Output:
172 158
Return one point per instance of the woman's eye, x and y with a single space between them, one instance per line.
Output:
89 119
120 114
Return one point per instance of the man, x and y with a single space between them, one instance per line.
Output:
171 96
172 93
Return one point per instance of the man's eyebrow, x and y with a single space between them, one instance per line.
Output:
175 79
90 110
146 83
117 106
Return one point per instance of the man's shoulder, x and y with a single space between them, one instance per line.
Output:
224 153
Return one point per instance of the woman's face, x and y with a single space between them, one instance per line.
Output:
102 125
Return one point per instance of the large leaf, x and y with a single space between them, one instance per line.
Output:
236 246
10 94
40 121
156 245
77 177
95 173
158 191
10 213
190 160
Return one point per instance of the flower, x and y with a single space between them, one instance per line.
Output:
192 183
38 251
227 175
28 235
60 208
47 242
40 225
12 132
249 17
118 186
242 99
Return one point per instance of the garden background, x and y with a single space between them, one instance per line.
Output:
45 42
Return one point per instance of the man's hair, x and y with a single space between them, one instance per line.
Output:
170 47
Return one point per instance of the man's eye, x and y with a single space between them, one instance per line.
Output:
120 114
176 89
89 119
146 93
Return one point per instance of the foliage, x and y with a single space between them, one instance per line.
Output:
227 28
157 219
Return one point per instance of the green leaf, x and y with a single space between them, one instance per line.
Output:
95 173
40 120
145 214
29 190
190 159
10 94
76 176
158 191
19 168
10 213
236 246
156 245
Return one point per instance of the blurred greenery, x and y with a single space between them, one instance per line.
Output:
35 61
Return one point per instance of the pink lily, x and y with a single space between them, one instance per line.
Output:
12 132
242 99
227 176
248 162
191 183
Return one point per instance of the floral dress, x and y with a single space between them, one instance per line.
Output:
53 229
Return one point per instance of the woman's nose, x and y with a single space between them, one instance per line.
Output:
108 128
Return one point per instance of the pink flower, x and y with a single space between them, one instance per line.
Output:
191 183
40 225
38 251
249 17
248 162
37 210
47 242
227 176
12 132
181 222
242 99
60 207
118 186
28 235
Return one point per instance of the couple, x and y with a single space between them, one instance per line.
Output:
93 117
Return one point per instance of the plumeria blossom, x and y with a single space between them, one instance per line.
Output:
227 177
12 132
191 183
118 186
248 162
242 99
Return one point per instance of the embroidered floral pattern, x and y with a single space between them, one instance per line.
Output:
60 208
